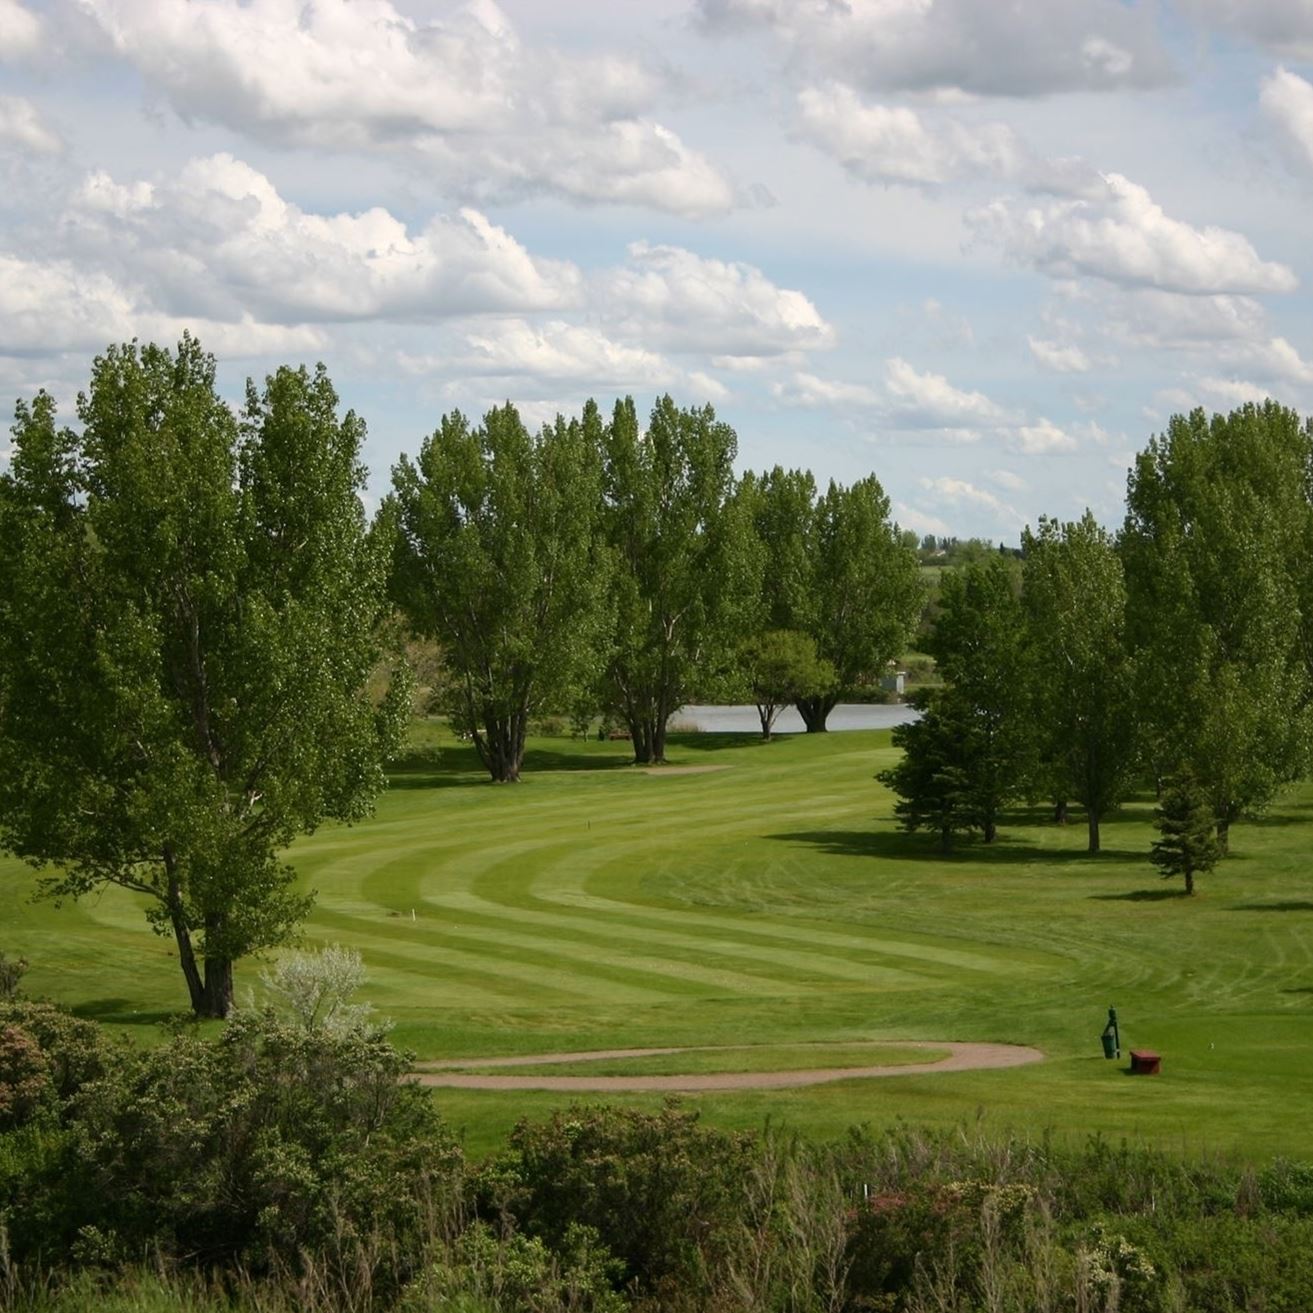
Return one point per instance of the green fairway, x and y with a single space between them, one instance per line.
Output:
771 902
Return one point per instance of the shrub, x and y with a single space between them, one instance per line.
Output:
269 1147
660 1191
313 989
12 970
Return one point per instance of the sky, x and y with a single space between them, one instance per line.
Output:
982 250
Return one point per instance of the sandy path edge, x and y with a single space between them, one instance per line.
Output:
961 1057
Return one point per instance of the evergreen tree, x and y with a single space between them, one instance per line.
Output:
932 778
1185 820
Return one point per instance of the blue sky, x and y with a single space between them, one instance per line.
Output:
981 249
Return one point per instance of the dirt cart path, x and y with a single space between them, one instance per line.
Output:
961 1057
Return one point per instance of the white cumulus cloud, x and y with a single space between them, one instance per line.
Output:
1042 438
219 234
1060 357
960 492
893 143
685 302
53 306
1287 100
1127 238
928 400
463 94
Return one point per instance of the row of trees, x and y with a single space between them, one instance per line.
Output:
1180 649
197 621
603 565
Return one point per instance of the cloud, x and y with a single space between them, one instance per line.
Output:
929 401
810 390
1234 391
1007 479
21 124
1042 439
958 492
1022 48
1061 358
562 352
671 297
919 521
219 236
1158 320
490 116
20 31
1127 239
885 143
1287 100
53 306
1283 26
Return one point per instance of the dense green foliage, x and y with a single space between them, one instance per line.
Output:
781 666
837 569
1083 690
1185 824
277 1166
499 558
1219 525
188 605
686 563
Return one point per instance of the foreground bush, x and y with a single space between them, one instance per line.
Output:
270 1148
283 1170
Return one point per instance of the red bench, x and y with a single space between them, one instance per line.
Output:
1145 1062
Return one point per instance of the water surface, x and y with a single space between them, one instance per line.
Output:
847 715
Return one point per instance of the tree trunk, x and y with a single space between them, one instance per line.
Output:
815 712
659 740
766 714
1189 882
991 829
640 734
1224 835
218 987
946 839
1060 812
1093 818
501 745
186 954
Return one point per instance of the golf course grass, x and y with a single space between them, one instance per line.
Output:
772 902
733 1058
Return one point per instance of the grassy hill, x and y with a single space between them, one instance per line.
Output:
759 894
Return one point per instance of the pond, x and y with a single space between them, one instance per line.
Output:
847 715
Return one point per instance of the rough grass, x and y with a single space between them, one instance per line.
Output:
773 903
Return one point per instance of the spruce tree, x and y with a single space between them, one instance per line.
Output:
1185 820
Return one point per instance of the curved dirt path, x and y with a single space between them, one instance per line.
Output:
961 1057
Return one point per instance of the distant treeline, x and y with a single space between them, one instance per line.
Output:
601 565
1177 652
276 1168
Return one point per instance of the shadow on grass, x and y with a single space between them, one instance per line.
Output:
120 1012
1141 896
1303 905
458 765
699 742
924 848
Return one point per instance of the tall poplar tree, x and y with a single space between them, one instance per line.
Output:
188 610
1218 524
1074 595
499 558
687 563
